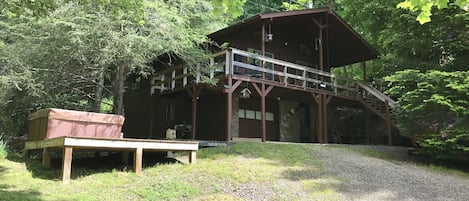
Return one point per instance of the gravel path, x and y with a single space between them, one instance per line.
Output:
367 178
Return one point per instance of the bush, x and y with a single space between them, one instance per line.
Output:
448 144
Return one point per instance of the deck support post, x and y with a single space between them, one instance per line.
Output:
263 93
322 100
192 156
388 123
194 93
229 109
46 157
67 164
229 89
138 155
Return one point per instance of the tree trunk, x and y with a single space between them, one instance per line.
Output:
98 93
119 90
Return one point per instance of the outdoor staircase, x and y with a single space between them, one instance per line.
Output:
379 108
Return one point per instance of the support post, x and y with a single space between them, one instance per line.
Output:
194 117
195 97
192 157
138 155
264 124
388 123
324 121
263 93
229 109
320 119
67 164
46 157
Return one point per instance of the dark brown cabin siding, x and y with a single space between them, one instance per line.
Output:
211 117
169 111
136 104
252 128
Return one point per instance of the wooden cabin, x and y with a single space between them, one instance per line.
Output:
273 83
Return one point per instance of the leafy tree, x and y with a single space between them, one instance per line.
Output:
80 48
425 7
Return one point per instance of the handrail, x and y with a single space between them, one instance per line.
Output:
299 75
378 94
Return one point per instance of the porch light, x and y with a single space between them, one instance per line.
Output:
269 36
245 93
323 85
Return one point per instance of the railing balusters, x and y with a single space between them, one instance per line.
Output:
162 83
184 80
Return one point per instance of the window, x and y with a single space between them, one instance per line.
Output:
250 114
257 115
241 113
269 116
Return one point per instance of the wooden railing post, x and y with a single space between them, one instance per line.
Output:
162 83
212 70
173 83
228 62
184 80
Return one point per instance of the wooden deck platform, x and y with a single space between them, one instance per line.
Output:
125 144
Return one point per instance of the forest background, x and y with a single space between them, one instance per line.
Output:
76 54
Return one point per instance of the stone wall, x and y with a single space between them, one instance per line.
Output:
289 121
235 118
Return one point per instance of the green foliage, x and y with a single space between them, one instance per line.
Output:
429 101
447 144
60 59
228 10
425 7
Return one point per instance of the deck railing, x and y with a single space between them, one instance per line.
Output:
238 62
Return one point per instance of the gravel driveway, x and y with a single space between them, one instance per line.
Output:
368 178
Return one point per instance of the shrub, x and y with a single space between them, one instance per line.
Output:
448 144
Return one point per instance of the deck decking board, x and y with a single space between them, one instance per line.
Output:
123 144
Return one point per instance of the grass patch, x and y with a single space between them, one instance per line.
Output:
242 171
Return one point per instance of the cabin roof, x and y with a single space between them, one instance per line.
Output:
343 45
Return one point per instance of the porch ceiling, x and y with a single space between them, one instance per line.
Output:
342 44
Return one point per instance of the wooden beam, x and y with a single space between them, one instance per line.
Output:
321 50
138 155
259 91
264 124
67 164
325 124
194 93
263 47
229 108
233 87
192 157
267 91
320 119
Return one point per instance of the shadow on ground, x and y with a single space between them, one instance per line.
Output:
88 163
7 194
